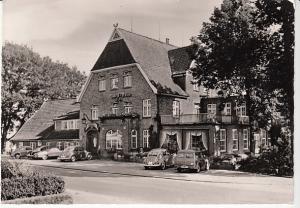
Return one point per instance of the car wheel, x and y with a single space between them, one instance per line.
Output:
73 158
45 157
179 170
198 169
89 157
163 166
18 156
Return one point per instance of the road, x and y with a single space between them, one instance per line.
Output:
96 182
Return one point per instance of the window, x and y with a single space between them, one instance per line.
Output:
263 138
196 109
113 140
245 139
102 85
20 144
146 138
59 145
223 140
48 144
127 80
33 145
176 108
133 139
64 125
66 144
39 143
195 86
227 109
147 108
114 82
94 113
235 139
128 109
115 109
211 109
241 110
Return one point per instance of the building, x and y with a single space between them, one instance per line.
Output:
140 94
55 124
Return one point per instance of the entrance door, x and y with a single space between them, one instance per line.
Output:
92 142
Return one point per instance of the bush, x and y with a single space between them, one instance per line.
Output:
20 180
51 199
13 188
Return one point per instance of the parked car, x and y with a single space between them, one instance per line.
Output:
230 161
191 160
33 154
158 158
48 153
21 152
74 153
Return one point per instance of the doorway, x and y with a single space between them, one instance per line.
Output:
92 142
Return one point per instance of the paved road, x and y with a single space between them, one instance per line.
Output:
118 182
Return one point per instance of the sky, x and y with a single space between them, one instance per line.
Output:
76 31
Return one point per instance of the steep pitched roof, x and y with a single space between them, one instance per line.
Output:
181 59
64 134
150 54
41 123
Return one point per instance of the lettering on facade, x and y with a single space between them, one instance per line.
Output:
119 97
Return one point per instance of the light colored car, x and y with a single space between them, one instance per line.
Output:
158 158
191 160
34 152
48 153
74 153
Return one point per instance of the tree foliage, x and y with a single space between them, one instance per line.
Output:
246 49
27 80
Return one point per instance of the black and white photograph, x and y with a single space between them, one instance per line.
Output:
140 102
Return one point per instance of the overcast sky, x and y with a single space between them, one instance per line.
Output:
76 31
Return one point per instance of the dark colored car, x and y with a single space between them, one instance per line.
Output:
21 152
33 154
74 153
191 160
158 158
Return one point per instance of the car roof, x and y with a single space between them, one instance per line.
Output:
186 151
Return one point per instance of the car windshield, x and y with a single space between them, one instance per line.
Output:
153 153
186 155
68 149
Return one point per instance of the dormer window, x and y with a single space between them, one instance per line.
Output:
195 86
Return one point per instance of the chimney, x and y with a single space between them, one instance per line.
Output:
167 41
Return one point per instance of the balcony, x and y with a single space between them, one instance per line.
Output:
203 118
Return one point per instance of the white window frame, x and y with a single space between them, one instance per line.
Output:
127 80
245 139
94 112
147 108
114 83
196 87
128 109
32 145
263 138
115 109
109 142
241 110
227 109
223 138
134 139
211 108
146 136
39 143
59 145
176 108
102 85
64 125
48 145
235 139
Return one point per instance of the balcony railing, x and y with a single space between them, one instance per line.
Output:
203 118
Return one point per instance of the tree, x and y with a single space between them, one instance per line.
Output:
236 51
27 80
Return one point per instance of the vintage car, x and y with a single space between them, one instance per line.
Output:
191 160
48 153
74 153
230 161
158 158
21 152
33 154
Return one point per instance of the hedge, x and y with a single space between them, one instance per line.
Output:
39 185
51 199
